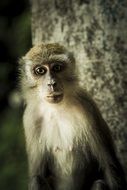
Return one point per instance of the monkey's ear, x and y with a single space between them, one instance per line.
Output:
72 57
21 67
21 61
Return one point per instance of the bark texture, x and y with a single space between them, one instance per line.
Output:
96 31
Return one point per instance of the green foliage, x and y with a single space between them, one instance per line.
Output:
15 40
21 33
13 160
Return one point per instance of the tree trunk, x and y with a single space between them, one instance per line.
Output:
96 31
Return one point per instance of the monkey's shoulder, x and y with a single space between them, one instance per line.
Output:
93 112
87 102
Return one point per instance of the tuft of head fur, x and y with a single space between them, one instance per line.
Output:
45 51
45 54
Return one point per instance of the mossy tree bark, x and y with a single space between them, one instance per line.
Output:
96 31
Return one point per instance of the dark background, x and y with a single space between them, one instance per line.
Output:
15 40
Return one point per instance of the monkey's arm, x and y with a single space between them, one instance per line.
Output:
37 178
113 174
34 172
36 164
38 183
99 185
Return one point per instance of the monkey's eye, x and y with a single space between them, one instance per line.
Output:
39 70
57 68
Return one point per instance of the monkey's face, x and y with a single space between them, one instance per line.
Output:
48 78
49 73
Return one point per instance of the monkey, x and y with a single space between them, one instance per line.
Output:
68 143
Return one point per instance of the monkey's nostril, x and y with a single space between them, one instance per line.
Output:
52 83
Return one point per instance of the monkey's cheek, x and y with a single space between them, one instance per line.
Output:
54 99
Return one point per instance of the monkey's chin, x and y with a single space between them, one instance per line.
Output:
54 98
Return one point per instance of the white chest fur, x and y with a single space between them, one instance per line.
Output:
60 131
60 127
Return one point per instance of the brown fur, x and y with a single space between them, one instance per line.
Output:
67 141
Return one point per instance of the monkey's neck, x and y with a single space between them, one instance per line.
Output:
62 126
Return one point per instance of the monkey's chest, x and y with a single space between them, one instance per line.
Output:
63 138
58 132
63 135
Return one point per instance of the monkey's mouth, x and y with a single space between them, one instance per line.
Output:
54 98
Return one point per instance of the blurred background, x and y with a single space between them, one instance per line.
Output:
15 40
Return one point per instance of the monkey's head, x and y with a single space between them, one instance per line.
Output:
48 73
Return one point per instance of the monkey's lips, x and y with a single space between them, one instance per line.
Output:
54 98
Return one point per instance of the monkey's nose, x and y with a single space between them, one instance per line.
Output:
52 83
